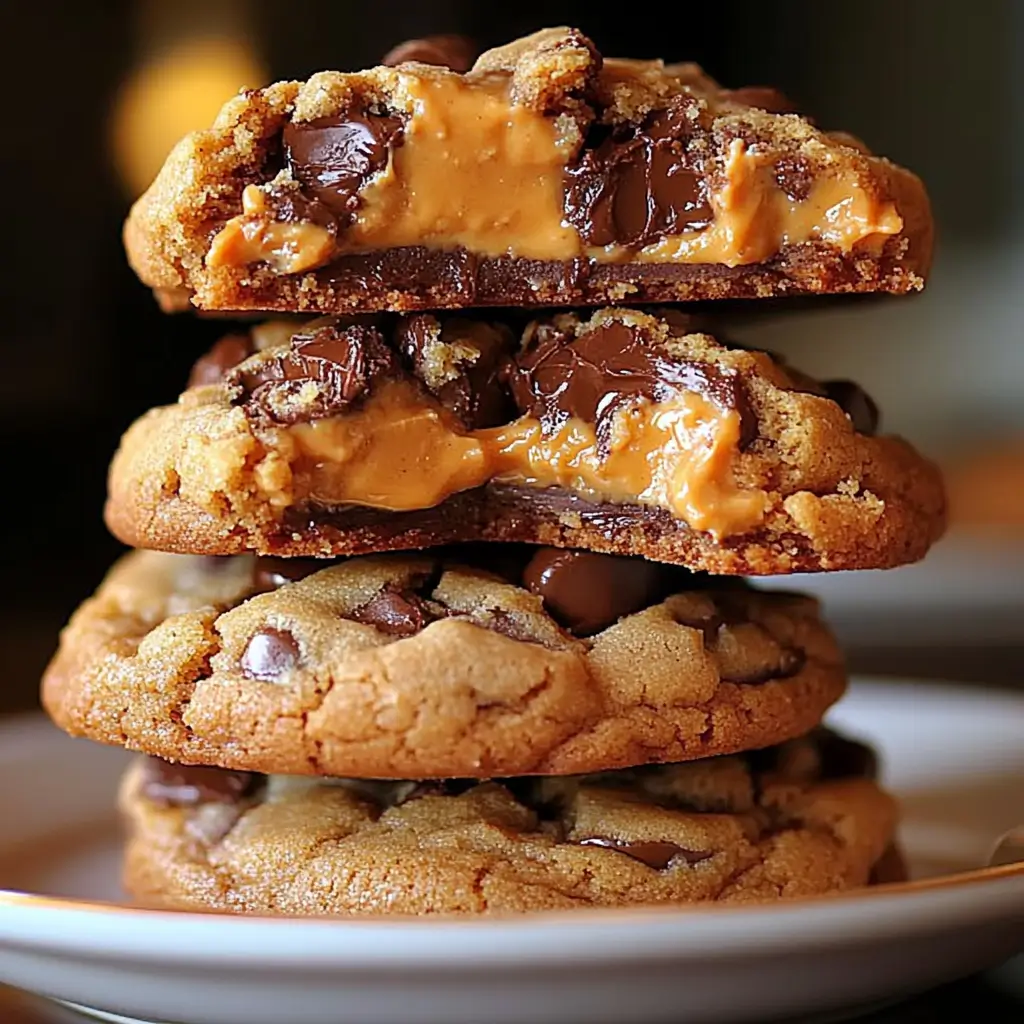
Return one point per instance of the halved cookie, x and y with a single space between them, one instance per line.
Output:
435 664
546 175
796 820
622 431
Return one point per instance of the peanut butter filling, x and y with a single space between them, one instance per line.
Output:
395 452
289 247
399 451
754 218
469 168
473 170
675 455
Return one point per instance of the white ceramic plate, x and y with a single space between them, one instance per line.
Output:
955 756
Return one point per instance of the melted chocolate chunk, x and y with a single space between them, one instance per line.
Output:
269 573
398 613
657 855
856 403
790 661
589 376
343 362
225 355
289 205
180 785
586 592
334 157
269 653
448 51
708 624
795 177
474 389
640 182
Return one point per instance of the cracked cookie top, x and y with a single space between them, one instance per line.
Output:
795 820
473 663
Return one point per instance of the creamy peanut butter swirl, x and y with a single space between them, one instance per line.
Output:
460 164
473 170
400 451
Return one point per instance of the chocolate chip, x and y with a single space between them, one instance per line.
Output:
343 363
586 592
856 403
471 387
657 855
589 376
225 354
334 157
179 785
708 623
449 51
288 204
640 182
398 613
795 177
269 653
269 573
789 661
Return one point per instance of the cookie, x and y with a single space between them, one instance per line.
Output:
427 666
546 175
792 821
620 431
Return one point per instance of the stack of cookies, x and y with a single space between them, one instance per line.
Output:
440 603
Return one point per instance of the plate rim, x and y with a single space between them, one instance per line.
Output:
957 879
537 941
39 922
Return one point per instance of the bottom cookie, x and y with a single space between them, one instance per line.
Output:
799 819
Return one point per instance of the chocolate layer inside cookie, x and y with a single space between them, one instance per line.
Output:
404 414
497 511
534 155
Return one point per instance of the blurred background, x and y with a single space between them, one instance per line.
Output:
99 92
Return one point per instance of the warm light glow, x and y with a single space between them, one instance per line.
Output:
172 93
